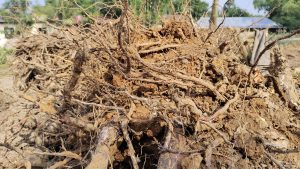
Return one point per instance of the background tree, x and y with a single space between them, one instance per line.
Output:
17 7
285 12
66 10
151 10
17 11
234 11
198 8
214 15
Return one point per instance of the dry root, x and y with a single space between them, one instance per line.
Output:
126 96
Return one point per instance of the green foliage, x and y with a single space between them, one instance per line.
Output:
149 11
67 9
16 11
153 10
198 8
108 10
17 7
286 12
235 11
3 55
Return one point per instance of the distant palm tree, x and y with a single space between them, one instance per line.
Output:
214 15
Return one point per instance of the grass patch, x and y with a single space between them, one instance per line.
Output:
4 53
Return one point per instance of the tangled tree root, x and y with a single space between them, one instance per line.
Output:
116 94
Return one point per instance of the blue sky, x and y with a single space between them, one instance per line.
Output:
39 2
244 4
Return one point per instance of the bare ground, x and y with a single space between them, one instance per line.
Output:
11 112
6 89
292 53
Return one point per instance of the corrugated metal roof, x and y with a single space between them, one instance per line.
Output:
241 22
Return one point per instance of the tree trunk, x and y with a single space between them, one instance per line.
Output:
214 14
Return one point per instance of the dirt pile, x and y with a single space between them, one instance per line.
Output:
118 94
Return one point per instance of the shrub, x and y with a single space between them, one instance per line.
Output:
3 55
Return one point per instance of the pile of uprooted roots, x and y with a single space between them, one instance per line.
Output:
115 94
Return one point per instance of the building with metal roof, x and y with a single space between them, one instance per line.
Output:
242 22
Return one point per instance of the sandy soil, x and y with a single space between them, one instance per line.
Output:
292 53
12 114
7 93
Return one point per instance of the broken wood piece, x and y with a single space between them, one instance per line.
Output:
105 149
143 52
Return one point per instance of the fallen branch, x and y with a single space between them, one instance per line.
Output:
143 52
131 152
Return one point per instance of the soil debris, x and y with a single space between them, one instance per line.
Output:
185 102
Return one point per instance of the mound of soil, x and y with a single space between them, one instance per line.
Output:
116 94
